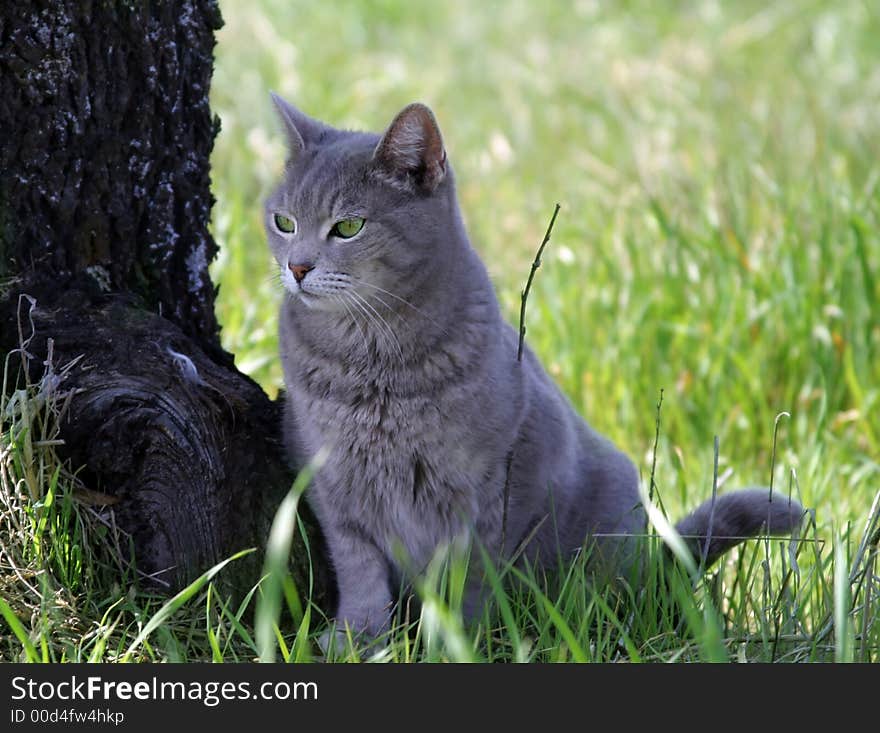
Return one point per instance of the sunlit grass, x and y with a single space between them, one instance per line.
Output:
67 591
719 239
716 165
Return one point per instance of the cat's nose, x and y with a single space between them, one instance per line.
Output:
299 271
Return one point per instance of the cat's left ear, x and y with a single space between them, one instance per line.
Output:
411 150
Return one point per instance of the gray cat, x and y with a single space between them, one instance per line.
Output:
398 364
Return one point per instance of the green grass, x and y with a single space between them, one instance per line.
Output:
719 239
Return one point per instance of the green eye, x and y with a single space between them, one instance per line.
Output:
347 228
285 224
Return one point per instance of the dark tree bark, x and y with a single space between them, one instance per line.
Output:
105 137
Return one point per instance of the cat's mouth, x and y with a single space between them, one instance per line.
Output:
319 291
319 300
303 290
313 301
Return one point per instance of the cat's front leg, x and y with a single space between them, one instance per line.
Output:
362 579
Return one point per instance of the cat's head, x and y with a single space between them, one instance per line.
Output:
359 212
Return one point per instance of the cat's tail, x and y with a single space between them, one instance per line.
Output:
731 518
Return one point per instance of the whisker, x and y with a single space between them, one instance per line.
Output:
376 297
418 310
381 318
382 329
339 298
369 318
383 325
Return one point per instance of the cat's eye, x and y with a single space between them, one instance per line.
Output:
285 224
347 228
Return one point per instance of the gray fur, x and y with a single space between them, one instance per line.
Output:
397 362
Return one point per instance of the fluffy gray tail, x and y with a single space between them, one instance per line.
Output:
734 517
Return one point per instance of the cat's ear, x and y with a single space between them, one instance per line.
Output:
300 128
411 150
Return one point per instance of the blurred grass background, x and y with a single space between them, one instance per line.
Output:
717 166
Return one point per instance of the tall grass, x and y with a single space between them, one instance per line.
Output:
719 240
67 599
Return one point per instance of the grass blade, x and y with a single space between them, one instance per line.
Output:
174 604
20 632
843 631
275 568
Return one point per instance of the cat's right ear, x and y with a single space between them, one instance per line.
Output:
300 128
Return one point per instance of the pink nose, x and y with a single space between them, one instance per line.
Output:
299 271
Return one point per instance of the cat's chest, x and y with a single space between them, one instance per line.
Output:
382 415
390 439
405 466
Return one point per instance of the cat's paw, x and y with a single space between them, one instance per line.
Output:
333 643
337 643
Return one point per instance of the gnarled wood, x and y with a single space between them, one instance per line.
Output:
189 448
105 138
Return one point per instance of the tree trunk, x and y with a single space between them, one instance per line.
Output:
105 137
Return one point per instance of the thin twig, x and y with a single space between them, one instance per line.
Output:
768 579
506 500
705 554
654 452
773 455
525 293
524 296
